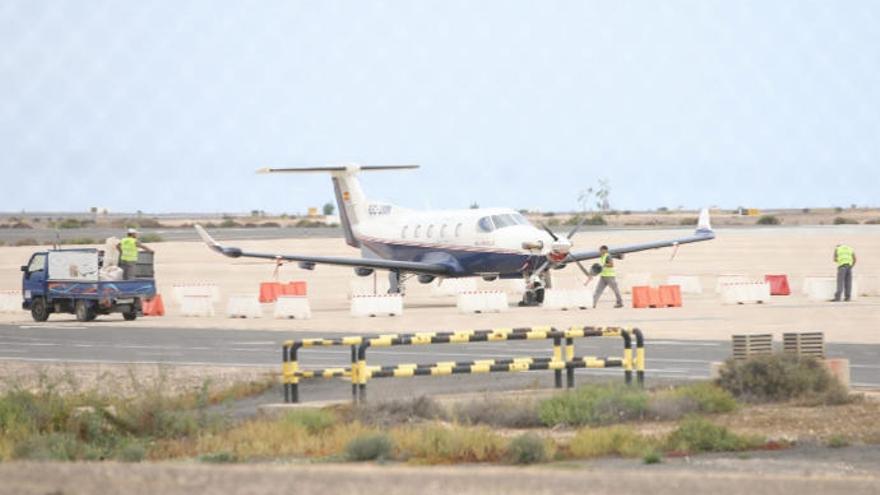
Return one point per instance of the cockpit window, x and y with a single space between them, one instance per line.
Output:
485 225
509 220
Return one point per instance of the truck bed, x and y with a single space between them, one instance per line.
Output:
101 290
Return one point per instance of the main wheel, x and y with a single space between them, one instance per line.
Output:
39 309
130 315
84 310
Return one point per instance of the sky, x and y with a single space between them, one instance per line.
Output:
170 106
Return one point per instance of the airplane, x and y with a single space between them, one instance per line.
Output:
491 243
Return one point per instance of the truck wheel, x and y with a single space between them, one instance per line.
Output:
130 315
84 311
39 309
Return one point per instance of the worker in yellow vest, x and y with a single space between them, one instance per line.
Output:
128 253
845 258
607 277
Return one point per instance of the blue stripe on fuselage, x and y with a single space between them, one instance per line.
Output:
463 262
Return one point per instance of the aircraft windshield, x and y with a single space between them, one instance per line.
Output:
509 220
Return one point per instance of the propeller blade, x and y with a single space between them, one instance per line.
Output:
547 229
577 227
583 269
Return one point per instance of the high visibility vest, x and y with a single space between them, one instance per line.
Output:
844 255
129 250
607 271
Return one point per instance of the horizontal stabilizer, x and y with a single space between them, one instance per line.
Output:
341 168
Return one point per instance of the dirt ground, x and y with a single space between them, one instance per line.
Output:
795 251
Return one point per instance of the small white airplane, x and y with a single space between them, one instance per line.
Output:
487 242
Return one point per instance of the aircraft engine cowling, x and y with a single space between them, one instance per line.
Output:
306 265
363 272
426 279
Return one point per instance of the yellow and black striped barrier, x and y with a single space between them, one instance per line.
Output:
563 358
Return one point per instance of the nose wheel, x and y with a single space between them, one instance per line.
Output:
535 288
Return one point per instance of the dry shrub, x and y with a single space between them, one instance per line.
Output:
594 405
782 377
395 412
504 413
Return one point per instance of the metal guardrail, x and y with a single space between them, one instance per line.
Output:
804 344
746 346
562 359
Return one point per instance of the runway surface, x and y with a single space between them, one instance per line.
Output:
110 343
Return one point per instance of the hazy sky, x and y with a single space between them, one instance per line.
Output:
171 105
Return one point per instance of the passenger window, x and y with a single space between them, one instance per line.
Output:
403 231
417 231
430 231
442 231
485 225
457 230
37 264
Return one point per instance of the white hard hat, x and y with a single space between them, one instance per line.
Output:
132 231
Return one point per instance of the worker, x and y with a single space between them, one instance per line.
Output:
128 253
845 258
607 277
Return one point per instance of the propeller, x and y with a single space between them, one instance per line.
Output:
570 235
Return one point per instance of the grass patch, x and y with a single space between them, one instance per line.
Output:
652 457
838 442
609 441
701 397
594 405
527 448
376 446
313 420
782 377
696 435
437 444
845 221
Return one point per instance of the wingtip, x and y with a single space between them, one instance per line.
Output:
704 224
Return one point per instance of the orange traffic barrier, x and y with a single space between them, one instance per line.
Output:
295 288
153 306
778 285
670 296
640 296
269 291
654 300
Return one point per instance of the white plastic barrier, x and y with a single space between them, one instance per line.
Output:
293 307
823 288
567 299
515 286
748 292
452 286
482 301
367 286
194 305
379 305
630 280
196 289
689 284
244 306
10 301
729 279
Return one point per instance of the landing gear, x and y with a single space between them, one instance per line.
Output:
396 283
535 287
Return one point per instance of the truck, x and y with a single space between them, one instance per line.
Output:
74 281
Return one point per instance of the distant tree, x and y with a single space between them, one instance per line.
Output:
474 206
603 192
329 208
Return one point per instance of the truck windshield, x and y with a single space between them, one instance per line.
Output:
38 263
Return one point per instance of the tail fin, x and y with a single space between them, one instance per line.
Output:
350 198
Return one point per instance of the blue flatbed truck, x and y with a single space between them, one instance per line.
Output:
70 281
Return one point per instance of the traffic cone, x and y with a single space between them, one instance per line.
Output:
153 306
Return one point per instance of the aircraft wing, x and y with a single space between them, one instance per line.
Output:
381 264
704 232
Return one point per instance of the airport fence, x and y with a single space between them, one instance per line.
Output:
562 358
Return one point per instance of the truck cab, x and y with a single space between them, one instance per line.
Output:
75 281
